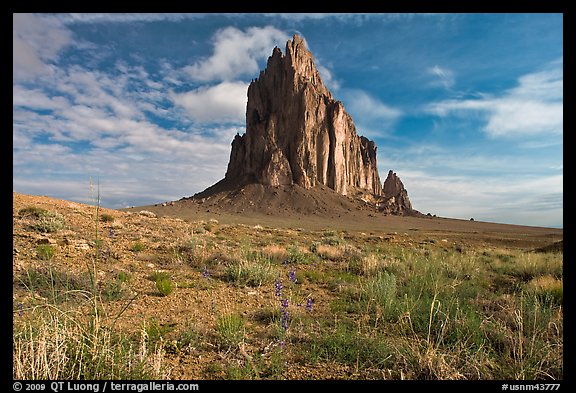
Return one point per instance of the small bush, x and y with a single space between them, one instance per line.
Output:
230 328
114 290
56 285
137 247
45 221
547 288
369 265
106 218
157 332
250 273
45 251
200 230
123 277
382 289
295 256
31 211
314 247
164 285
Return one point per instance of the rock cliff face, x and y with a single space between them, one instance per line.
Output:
296 133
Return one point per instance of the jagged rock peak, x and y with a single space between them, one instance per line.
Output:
296 133
395 195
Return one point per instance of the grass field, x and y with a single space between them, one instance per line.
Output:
163 298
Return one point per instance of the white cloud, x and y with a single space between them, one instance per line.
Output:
328 79
444 77
236 53
225 102
534 107
37 40
519 200
371 116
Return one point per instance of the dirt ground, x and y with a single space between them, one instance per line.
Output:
293 207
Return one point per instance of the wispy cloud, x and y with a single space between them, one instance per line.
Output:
443 77
92 18
236 53
357 17
533 107
371 116
520 200
328 78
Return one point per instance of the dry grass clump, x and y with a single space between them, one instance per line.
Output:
275 252
331 252
63 345
546 287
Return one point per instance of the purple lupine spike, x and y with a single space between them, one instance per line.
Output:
309 304
284 303
285 317
292 275
278 287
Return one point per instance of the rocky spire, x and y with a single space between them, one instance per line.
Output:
296 133
395 196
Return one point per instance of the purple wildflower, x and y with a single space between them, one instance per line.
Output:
292 275
309 304
278 288
111 232
205 272
285 317
20 309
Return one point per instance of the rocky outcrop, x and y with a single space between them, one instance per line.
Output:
301 141
296 133
395 197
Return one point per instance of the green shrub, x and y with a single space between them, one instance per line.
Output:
295 256
382 289
230 328
56 285
113 290
345 345
45 221
137 247
106 217
116 289
45 251
31 211
165 286
250 273
123 276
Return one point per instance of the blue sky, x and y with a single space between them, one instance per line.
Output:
466 108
